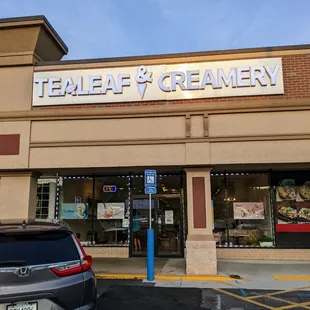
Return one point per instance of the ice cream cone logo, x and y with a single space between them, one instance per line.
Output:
142 78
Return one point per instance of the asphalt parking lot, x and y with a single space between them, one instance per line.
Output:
131 294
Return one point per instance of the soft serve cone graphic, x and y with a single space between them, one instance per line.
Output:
141 89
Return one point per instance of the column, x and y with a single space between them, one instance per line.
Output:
18 196
200 244
52 200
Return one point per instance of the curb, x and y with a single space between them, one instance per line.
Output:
162 277
291 277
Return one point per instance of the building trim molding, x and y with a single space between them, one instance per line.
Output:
145 110
44 144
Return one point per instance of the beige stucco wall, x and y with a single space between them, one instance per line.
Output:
16 88
197 153
197 127
166 142
107 156
17 196
255 124
286 151
120 156
109 129
21 160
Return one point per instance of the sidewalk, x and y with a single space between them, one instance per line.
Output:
135 268
171 273
132 266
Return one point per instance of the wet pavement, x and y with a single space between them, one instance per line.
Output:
131 294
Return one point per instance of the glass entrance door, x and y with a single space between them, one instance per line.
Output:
140 224
169 226
167 212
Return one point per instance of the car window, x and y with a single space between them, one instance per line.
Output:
34 248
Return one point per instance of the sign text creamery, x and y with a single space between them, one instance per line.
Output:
162 82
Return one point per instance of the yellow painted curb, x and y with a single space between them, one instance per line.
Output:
291 277
162 277
206 278
121 276
167 278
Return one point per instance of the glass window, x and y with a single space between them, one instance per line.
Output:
43 248
75 206
166 215
242 210
140 215
221 220
169 214
46 194
96 209
112 210
292 208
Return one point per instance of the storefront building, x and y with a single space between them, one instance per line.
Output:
228 133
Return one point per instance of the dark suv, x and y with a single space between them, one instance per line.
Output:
43 266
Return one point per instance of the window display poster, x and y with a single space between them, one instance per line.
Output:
249 210
169 217
293 202
125 223
111 210
292 212
288 191
74 211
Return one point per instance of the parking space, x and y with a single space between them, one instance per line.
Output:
134 294
266 299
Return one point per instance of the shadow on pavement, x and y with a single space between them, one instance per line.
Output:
135 294
145 297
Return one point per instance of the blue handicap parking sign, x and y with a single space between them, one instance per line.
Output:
150 178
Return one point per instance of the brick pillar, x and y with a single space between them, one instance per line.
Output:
18 196
200 244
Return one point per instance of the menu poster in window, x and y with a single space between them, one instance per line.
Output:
169 217
286 190
303 192
111 211
293 212
249 210
74 211
293 202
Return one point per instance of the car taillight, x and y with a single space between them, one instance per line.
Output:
74 268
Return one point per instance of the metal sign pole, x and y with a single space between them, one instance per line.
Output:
150 211
150 246
150 188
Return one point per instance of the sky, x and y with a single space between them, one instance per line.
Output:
113 28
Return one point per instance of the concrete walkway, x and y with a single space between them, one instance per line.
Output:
132 266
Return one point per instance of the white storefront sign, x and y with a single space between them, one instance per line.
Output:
249 77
